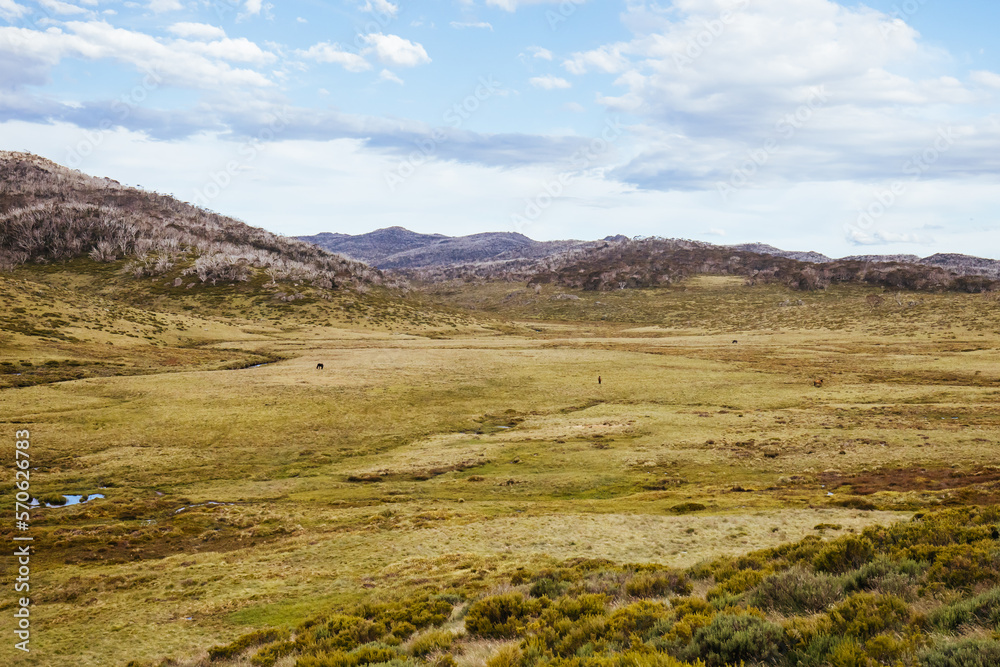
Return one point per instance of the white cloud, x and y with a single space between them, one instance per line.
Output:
394 50
10 10
883 237
386 75
540 52
239 50
325 52
64 8
160 6
607 59
186 64
383 7
710 88
253 7
457 25
985 78
197 31
512 5
550 82
301 20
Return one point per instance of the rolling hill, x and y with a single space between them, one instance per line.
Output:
49 213
401 249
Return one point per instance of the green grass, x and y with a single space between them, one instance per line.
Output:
429 453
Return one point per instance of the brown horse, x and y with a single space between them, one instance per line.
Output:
319 367
818 382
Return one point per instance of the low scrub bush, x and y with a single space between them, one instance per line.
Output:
252 639
843 555
865 615
429 642
732 639
501 616
883 575
967 653
984 609
797 591
657 584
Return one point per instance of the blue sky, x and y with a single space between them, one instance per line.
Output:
845 128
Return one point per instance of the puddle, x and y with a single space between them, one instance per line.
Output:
210 502
70 500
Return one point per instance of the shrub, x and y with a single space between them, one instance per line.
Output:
983 609
507 656
246 641
657 584
885 648
964 565
687 508
638 618
843 555
885 576
429 642
731 639
500 616
796 591
736 584
267 656
847 653
348 632
588 604
967 653
547 587
865 615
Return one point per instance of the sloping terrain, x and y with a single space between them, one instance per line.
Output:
49 213
398 248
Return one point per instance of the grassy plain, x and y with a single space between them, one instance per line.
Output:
457 432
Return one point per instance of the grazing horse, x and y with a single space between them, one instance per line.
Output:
319 367
598 379
735 342
818 382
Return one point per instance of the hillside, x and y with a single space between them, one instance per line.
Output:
657 262
49 213
398 248
765 249
966 265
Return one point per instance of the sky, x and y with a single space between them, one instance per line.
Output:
844 128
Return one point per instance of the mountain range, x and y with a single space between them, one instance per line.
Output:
401 249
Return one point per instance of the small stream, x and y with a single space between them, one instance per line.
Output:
70 500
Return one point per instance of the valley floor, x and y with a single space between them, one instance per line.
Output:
241 498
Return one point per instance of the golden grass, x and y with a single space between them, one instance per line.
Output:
420 453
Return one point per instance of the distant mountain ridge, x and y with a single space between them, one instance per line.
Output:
403 250
399 248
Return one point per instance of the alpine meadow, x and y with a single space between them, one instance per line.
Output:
248 450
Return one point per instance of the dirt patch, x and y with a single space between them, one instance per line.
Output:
910 479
